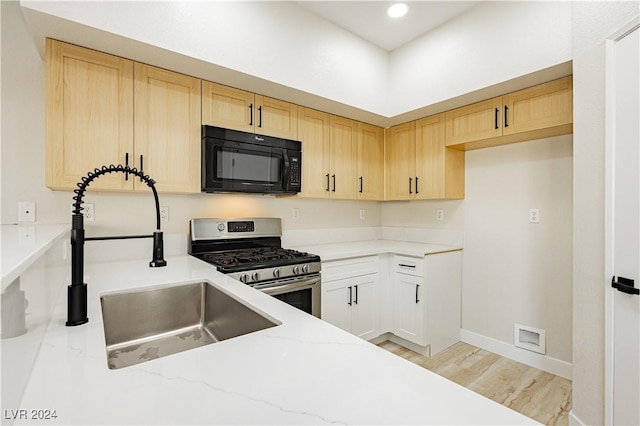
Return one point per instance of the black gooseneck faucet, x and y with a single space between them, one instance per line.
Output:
77 291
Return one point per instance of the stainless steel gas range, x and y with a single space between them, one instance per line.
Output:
250 250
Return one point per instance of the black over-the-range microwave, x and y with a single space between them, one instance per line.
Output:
234 161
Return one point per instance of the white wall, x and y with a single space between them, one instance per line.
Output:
493 42
513 271
593 22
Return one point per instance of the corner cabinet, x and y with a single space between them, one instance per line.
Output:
91 121
236 109
418 165
370 161
426 300
349 295
540 111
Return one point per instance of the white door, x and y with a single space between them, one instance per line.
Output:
625 231
409 308
363 307
334 308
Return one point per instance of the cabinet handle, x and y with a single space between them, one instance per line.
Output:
126 164
361 184
356 299
141 166
250 114
327 176
416 184
410 182
334 182
496 118
506 123
260 116
350 296
404 265
417 287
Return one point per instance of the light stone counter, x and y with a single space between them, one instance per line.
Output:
304 371
338 251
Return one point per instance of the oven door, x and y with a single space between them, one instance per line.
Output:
230 166
300 292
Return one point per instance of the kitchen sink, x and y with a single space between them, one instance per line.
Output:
145 324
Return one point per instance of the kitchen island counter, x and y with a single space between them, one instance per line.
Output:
304 371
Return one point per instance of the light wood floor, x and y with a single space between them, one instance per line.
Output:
537 394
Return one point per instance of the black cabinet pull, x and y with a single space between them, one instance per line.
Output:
327 176
404 265
416 184
625 285
506 123
334 182
250 114
417 287
410 182
356 299
350 296
496 119
361 184
126 164
260 116
141 165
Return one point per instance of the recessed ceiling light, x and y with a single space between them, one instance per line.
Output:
397 10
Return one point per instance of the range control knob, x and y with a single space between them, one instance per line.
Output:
276 272
244 278
221 227
296 270
305 269
255 276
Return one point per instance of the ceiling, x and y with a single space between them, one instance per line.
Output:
369 20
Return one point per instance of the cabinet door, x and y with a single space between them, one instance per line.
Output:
89 118
430 158
277 118
342 158
399 152
335 308
224 106
370 157
364 312
409 312
167 124
478 121
315 137
539 107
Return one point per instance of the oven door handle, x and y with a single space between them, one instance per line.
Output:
292 286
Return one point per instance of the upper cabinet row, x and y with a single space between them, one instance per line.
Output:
102 110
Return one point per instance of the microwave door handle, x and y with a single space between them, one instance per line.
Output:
286 169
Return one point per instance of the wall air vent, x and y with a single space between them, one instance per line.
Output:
530 338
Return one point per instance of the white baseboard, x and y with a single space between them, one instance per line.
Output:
543 362
574 420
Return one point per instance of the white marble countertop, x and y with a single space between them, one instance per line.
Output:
336 251
24 244
304 371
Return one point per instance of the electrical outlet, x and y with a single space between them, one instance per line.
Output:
26 211
295 213
88 211
164 213
361 214
534 215
440 214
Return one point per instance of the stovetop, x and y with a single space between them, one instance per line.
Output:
247 259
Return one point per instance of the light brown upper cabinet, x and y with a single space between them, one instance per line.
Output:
89 116
314 131
236 109
342 157
370 159
540 111
167 128
418 165
91 122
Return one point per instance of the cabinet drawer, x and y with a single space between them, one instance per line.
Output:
409 265
348 268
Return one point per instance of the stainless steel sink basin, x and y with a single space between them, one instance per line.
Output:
145 324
